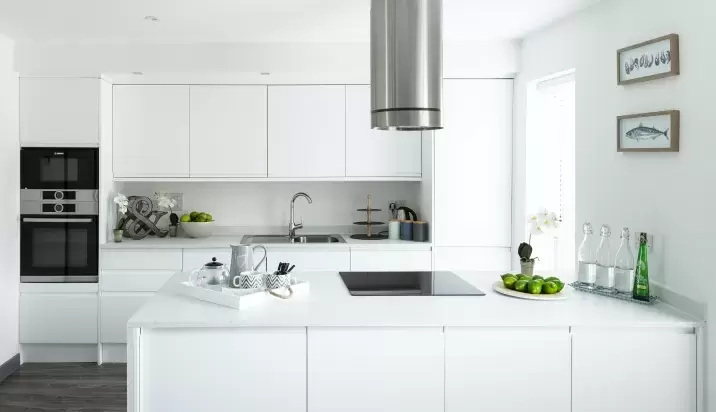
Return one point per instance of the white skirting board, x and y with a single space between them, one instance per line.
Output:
114 353
40 352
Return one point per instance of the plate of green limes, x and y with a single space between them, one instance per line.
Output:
530 287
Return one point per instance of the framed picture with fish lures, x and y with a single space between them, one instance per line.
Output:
649 60
649 132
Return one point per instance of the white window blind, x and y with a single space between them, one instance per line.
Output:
550 168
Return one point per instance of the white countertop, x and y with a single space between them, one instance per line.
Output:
330 305
223 241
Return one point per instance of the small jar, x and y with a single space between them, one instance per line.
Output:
528 267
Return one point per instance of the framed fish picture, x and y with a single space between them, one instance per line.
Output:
649 132
649 60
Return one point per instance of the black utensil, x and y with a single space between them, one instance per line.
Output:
289 271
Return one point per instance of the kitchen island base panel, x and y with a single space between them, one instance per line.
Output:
229 369
333 351
376 369
644 369
508 369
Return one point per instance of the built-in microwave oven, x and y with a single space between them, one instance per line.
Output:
59 168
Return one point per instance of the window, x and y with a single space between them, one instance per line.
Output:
550 169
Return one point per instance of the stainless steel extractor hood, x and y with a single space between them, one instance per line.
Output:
406 58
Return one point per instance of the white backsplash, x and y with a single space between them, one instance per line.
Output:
267 204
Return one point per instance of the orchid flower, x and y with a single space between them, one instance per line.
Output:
122 203
165 201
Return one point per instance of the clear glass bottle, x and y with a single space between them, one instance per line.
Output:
587 258
605 264
624 265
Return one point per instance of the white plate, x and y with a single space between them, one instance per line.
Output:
499 287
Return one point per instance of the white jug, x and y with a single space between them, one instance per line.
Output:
242 259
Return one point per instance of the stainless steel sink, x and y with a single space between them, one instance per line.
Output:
297 239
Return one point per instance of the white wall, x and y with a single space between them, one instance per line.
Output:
10 205
668 194
267 204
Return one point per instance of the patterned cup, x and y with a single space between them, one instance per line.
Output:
277 281
249 280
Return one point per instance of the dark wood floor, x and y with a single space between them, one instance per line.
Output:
75 387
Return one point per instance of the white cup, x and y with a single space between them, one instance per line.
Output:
394 230
249 280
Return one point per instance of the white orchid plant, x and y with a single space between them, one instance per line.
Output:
167 202
122 204
537 223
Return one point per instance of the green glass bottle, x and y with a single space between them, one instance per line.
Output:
641 278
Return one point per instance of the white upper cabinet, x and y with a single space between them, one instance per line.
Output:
228 131
473 164
59 112
377 153
151 131
306 131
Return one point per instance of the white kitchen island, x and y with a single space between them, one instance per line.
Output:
330 351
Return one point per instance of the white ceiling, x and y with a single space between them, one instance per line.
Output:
210 21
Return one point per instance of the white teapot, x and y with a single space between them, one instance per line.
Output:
211 274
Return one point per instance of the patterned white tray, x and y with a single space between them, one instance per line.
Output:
240 298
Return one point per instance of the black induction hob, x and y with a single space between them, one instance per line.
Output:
439 283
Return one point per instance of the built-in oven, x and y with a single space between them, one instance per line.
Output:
59 168
58 238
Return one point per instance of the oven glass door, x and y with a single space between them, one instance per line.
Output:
60 247
56 168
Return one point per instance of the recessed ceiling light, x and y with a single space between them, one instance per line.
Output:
137 73
151 18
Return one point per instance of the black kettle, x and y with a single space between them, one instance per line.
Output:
409 213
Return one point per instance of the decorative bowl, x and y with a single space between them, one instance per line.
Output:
198 229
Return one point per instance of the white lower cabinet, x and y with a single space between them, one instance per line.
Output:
67 318
633 370
398 260
116 309
375 369
318 260
507 369
196 258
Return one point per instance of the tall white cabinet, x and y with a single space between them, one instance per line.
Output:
306 130
228 131
377 153
151 131
473 176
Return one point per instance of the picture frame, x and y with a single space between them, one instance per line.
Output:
649 132
649 60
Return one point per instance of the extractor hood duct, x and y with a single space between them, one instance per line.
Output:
406 58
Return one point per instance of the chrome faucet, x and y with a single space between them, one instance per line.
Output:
292 226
